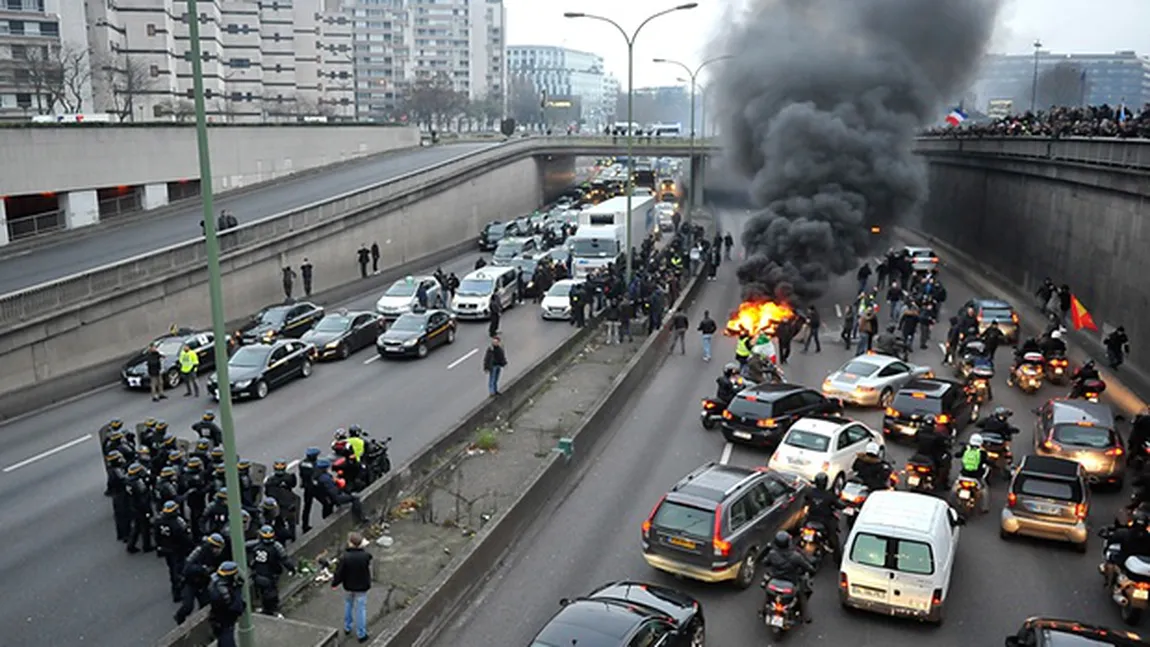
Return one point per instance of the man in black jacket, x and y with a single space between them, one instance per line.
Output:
707 328
354 574
493 362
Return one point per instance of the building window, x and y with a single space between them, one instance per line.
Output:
19 52
189 93
16 27
49 29
151 30
232 28
155 70
240 62
24 100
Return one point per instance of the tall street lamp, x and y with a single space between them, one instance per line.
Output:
693 76
630 38
1034 83
215 292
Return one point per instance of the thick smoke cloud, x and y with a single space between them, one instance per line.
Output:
819 107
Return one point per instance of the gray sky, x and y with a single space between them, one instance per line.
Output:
1073 26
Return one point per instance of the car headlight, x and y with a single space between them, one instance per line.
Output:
409 343
243 384
333 345
269 334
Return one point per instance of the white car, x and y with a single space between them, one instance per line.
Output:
830 445
400 298
556 304
922 259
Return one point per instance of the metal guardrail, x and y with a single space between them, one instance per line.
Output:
1115 153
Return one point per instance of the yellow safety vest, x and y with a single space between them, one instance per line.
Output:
356 445
741 349
189 360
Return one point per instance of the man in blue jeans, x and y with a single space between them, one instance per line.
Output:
493 362
354 573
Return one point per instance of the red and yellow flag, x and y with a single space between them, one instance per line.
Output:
1080 316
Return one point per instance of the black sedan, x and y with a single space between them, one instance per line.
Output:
625 614
284 320
341 334
256 369
416 333
134 374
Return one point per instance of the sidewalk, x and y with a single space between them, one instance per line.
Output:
1126 388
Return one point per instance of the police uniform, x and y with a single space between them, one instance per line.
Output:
307 478
268 560
140 504
121 502
227 604
198 568
174 542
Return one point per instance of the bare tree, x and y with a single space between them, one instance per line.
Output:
180 110
1062 85
56 75
125 79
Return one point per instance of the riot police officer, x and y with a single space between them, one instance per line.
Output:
144 458
272 515
249 490
167 488
195 492
207 428
307 479
280 485
268 560
198 568
216 456
140 504
216 515
148 434
121 502
203 449
227 603
174 542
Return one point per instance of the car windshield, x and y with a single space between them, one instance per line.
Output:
1080 436
496 229
408 323
475 287
807 440
249 357
333 324
684 519
508 248
750 408
170 346
996 314
923 253
907 403
591 247
401 289
1048 488
272 316
560 290
859 368
526 266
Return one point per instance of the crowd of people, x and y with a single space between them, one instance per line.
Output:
1058 122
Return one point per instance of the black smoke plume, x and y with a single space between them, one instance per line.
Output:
819 108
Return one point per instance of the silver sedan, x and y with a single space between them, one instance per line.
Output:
871 380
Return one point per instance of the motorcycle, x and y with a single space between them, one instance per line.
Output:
711 413
1087 390
1129 582
854 494
1057 369
1028 375
781 607
920 475
978 386
354 475
813 542
970 353
967 494
997 448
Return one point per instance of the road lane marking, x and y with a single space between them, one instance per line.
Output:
43 455
838 311
371 359
462 359
726 457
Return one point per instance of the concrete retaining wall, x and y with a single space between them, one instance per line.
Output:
35 159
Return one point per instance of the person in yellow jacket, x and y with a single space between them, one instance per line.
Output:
355 441
743 349
189 370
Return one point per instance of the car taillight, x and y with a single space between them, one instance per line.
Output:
722 548
1080 510
942 419
727 415
651 517
936 597
779 608
1014 317
890 411
1117 451
844 583
708 405
1011 499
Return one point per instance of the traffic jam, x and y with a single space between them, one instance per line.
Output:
830 493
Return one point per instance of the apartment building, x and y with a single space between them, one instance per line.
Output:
397 43
31 37
563 72
611 90
1116 78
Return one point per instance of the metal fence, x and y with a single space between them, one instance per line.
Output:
1133 154
35 225
120 205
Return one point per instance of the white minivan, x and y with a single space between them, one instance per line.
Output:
478 289
899 556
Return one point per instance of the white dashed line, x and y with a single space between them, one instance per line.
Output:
726 457
371 359
50 452
462 359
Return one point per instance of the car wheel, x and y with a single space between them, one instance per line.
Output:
885 398
839 483
305 369
747 570
261 390
172 379
451 335
344 351
698 634
421 351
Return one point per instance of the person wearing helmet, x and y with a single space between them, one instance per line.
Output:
216 516
785 562
728 384
823 506
1132 539
140 501
307 480
998 422
195 491
226 603
207 428
870 468
1052 344
1139 442
331 496
198 568
975 465
115 442
272 516
935 446
1030 345
203 449
121 500
1082 375
280 486
249 489
167 487
355 442
174 542
268 561
216 456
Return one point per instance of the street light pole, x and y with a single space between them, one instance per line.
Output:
630 39
1034 83
693 78
219 330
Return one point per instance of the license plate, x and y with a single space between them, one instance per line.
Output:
808 535
133 381
1043 509
865 592
683 543
850 512
964 494
913 481
742 434
1140 594
777 621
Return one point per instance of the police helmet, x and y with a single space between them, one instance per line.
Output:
170 508
217 454
168 472
214 540
782 540
135 469
161 425
311 452
269 503
203 445
340 434
872 449
222 494
144 452
354 431
280 465
194 464
114 456
322 464
115 436
228 569
209 415
168 440
267 533
150 423
220 468
929 421
821 480
976 440
115 424
243 465
1002 413
175 456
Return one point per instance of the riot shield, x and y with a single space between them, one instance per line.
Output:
258 473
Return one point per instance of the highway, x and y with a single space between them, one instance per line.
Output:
108 245
72 583
592 536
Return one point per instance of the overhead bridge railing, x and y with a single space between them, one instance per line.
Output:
1131 154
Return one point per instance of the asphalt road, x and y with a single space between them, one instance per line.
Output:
71 583
111 245
592 536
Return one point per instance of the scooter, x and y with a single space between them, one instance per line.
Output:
854 494
920 475
967 495
813 542
781 607
711 413
1088 390
1057 369
997 448
1129 582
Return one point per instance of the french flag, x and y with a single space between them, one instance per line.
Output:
956 117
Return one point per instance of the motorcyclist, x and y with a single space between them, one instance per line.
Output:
351 464
976 465
1082 375
1133 539
1052 345
784 562
998 422
728 384
823 508
871 469
355 441
1140 435
1031 345
934 446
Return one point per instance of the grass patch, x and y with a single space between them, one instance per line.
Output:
486 440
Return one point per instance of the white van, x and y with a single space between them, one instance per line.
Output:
477 290
899 557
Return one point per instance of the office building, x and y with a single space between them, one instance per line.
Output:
575 76
1090 79
398 43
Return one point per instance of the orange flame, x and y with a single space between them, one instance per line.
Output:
758 317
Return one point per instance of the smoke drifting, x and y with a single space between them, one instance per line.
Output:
819 108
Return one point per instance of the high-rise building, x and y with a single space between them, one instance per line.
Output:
398 43
1089 79
32 38
563 72
611 90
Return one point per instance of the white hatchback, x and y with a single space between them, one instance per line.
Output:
556 304
830 445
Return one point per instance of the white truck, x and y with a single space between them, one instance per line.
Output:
595 246
614 212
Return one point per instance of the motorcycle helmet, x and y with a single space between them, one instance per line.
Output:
340 434
354 431
872 449
1140 517
782 540
1089 364
976 440
730 369
821 480
1002 413
929 421
1057 334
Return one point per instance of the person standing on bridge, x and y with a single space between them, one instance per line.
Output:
289 281
363 256
305 272
375 258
